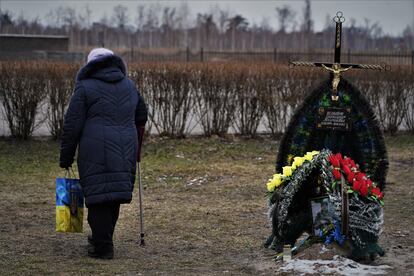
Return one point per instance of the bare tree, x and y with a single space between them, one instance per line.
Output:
85 17
21 23
235 25
205 25
54 17
140 18
69 17
175 27
285 16
184 23
168 25
264 33
152 22
120 16
104 20
223 18
307 25
84 22
6 19
69 21
408 36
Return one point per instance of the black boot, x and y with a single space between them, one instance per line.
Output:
90 240
106 255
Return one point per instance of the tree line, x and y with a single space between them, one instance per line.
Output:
157 26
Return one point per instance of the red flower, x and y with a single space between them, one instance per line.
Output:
339 156
334 161
360 176
351 177
337 174
376 191
352 163
346 169
364 190
356 185
363 183
369 183
346 161
381 195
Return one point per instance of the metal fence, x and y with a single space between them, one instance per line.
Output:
276 56
201 55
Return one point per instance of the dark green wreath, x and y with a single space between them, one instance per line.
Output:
364 142
290 216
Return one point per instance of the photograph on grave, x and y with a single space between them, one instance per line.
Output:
323 217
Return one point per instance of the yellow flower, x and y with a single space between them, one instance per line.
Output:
277 178
298 161
270 186
274 182
287 171
308 156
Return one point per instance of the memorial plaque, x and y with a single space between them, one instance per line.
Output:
334 118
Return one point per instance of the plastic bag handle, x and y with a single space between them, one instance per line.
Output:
68 173
73 197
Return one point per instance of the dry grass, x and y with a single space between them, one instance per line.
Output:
205 211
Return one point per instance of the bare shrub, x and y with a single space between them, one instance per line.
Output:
389 94
283 91
22 90
139 75
168 96
59 88
273 102
409 116
214 94
249 82
217 95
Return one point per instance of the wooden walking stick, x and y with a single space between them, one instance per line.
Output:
140 131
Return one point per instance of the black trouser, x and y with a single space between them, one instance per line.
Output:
102 220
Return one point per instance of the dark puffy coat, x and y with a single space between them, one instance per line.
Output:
103 115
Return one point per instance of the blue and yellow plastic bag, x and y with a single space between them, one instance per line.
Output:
69 205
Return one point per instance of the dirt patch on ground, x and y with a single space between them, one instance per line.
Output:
205 211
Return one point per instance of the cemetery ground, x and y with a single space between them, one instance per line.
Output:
205 211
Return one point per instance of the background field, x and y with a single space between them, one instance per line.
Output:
205 211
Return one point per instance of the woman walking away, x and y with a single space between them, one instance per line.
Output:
105 116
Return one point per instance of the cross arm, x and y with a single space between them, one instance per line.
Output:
380 67
343 65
